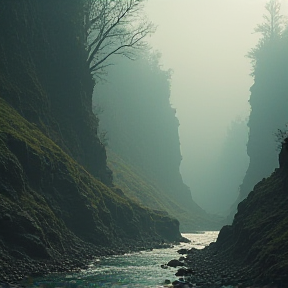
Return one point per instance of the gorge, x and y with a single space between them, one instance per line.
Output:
68 197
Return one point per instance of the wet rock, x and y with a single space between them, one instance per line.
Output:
183 251
181 272
174 263
181 284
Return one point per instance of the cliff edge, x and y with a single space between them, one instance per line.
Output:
58 207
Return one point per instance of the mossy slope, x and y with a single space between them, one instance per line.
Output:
49 204
258 235
54 205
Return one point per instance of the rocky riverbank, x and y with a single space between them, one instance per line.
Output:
253 251
20 272
208 268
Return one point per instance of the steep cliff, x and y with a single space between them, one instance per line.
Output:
258 235
144 147
44 75
56 209
269 103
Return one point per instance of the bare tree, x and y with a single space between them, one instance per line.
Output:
114 27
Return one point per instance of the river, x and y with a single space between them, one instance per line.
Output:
142 269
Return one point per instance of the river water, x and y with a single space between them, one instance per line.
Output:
142 269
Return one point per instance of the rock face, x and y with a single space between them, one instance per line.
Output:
44 76
58 206
268 102
252 252
144 147
258 236
51 206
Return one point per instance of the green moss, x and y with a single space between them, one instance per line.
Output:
16 127
79 197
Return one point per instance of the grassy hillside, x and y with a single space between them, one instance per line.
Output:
149 193
50 204
56 209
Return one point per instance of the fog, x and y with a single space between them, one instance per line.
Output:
205 42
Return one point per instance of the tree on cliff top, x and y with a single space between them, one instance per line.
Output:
271 30
114 27
273 25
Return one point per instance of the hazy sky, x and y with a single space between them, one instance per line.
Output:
204 42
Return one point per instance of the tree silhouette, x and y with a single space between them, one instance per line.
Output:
114 27
271 30
273 25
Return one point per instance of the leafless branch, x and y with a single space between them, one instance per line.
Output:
115 27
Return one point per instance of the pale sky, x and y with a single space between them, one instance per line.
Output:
205 42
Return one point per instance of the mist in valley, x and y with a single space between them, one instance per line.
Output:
121 143
200 51
205 43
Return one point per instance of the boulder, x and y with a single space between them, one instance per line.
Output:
175 263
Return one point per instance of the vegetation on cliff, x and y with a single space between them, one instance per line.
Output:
268 98
55 206
258 235
50 204
45 76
